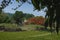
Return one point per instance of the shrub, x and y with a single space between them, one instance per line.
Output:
10 27
36 20
2 27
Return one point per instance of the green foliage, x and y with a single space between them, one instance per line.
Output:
21 0
4 18
36 4
8 25
18 14
27 16
18 17
17 0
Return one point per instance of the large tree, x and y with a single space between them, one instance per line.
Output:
52 13
18 17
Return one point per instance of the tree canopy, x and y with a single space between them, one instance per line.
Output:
18 17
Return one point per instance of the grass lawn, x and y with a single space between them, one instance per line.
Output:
29 35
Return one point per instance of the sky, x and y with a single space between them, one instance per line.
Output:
25 8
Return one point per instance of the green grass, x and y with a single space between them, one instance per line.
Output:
28 35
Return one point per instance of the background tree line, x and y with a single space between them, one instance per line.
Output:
18 17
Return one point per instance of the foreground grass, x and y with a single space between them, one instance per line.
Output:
28 35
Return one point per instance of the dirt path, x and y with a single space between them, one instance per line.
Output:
36 35
41 35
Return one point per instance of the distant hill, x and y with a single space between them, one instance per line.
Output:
9 14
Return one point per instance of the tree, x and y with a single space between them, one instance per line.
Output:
4 18
18 17
27 16
52 6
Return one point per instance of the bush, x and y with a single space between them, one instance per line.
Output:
10 27
40 28
36 20
18 29
2 27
